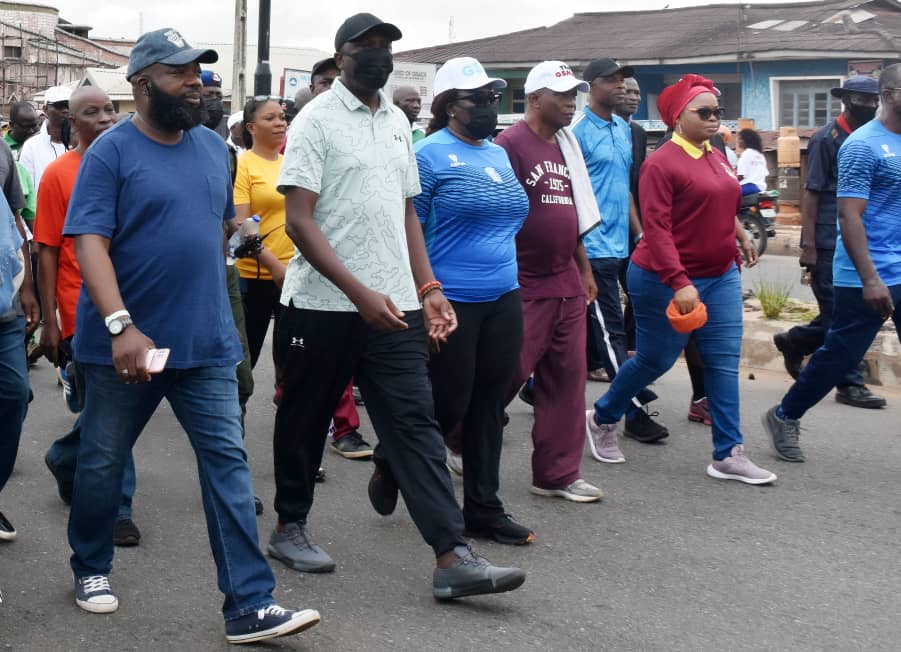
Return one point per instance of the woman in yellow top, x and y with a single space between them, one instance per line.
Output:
256 194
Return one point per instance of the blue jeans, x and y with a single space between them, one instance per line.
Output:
659 346
807 338
854 327
205 401
13 393
63 454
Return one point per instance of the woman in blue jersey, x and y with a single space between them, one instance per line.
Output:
471 208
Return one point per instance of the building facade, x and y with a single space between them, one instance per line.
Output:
773 63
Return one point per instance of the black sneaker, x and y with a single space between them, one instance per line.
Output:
63 486
320 475
859 396
126 534
641 427
383 490
7 531
791 358
257 505
471 574
352 446
502 529
269 622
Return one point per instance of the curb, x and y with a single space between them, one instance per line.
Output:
882 362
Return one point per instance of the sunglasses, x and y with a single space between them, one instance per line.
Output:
705 112
481 98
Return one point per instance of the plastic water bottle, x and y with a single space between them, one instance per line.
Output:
249 228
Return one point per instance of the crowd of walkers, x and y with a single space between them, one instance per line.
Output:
431 282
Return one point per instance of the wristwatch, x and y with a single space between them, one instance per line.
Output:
117 322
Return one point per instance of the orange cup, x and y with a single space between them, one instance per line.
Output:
688 322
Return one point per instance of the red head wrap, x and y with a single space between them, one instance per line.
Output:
674 98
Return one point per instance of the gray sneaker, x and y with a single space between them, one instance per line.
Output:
784 435
473 575
578 492
739 467
603 440
295 548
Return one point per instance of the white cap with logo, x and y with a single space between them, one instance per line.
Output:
555 76
464 73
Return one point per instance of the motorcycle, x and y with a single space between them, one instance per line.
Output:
758 217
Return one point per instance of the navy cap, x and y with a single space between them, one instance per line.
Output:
322 66
358 24
605 68
857 84
166 46
210 78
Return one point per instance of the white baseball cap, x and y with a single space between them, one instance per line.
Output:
555 76
56 94
464 73
235 118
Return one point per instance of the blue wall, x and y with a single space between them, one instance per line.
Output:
755 81
755 84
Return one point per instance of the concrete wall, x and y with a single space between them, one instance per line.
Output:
37 18
756 97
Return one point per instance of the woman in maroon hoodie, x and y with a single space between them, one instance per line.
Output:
688 255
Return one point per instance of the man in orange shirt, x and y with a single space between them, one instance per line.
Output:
91 113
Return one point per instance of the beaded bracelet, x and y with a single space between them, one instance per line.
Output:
431 286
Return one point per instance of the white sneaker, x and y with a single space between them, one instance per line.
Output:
578 492
454 462
603 440
738 466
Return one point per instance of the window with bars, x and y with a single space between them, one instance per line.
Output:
807 103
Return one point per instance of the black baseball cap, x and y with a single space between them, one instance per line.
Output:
358 24
322 66
167 46
605 68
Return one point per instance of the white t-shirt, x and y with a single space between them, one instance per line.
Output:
362 166
752 168
38 152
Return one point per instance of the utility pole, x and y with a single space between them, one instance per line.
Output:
262 77
239 57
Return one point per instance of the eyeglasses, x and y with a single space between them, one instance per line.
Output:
481 98
705 112
266 98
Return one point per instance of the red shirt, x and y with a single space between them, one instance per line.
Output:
689 200
547 242
53 201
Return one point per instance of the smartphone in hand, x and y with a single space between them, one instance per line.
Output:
156 360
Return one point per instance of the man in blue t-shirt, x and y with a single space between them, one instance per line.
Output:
866 267
819 216
606 142
146 214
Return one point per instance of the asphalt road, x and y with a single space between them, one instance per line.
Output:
781 271
671 560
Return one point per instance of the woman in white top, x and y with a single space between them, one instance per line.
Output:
752 170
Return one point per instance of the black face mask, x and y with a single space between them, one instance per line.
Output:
372 67
862 114
482 122
171 112
213 110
